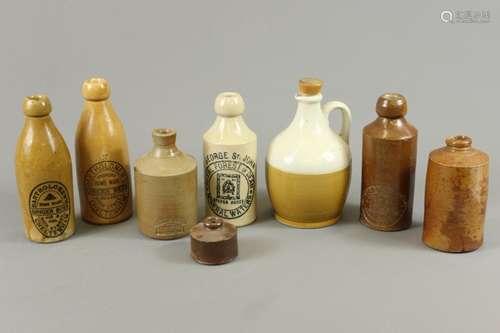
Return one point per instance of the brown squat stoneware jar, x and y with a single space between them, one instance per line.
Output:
44 175
214 241
388 168
166 189
456 193
102 158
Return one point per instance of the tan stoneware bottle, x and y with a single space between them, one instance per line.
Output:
102 158
388 168
229 156
44 175
456 194
308 164
166 189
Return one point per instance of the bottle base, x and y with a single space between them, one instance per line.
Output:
86 220
307 225
383 229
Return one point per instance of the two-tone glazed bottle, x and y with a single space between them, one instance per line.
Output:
308 166
229 162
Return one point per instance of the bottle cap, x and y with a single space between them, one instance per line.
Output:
214 241
229 104
164 136
391 105
310 86
37 106
95 89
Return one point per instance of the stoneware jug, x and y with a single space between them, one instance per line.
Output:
229 155
389 162
102 158
456 195
165 189
44 175
308 165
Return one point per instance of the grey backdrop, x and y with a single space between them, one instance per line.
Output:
166 61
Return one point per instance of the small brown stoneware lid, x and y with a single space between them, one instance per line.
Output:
214 241
391 105
95 89
459 153
310 86
37 106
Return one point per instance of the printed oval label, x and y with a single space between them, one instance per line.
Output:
107 189
50 208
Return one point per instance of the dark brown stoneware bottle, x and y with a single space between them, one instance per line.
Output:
388 171
456 193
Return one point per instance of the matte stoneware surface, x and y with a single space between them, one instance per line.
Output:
456 195
389 158
166 189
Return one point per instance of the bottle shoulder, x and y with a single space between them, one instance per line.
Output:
390 129
229 131
41 144
165 166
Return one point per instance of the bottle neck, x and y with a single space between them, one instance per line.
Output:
234 124
165 151
309 113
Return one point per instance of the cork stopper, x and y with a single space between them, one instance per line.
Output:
310 86
462 142
391 105
164 136
214 241
229 104
37 106
95 89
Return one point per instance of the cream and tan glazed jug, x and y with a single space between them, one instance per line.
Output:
308 165
166 189
229 156
44 175
102 158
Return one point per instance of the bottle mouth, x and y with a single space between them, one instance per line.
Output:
164 136
461 142
37 106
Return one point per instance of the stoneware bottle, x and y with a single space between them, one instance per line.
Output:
165 189
102 158
44 175
229 157
456 193
388 172
308 165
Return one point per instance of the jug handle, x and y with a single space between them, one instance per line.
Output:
346 117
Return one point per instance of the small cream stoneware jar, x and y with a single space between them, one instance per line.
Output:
229 160
308 165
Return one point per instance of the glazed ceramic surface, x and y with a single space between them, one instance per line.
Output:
102 158
229 154
44 175
166 189
388 168
308 165
456 195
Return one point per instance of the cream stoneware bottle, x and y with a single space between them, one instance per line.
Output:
229 156
102 158
308 165
166 189
44 175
